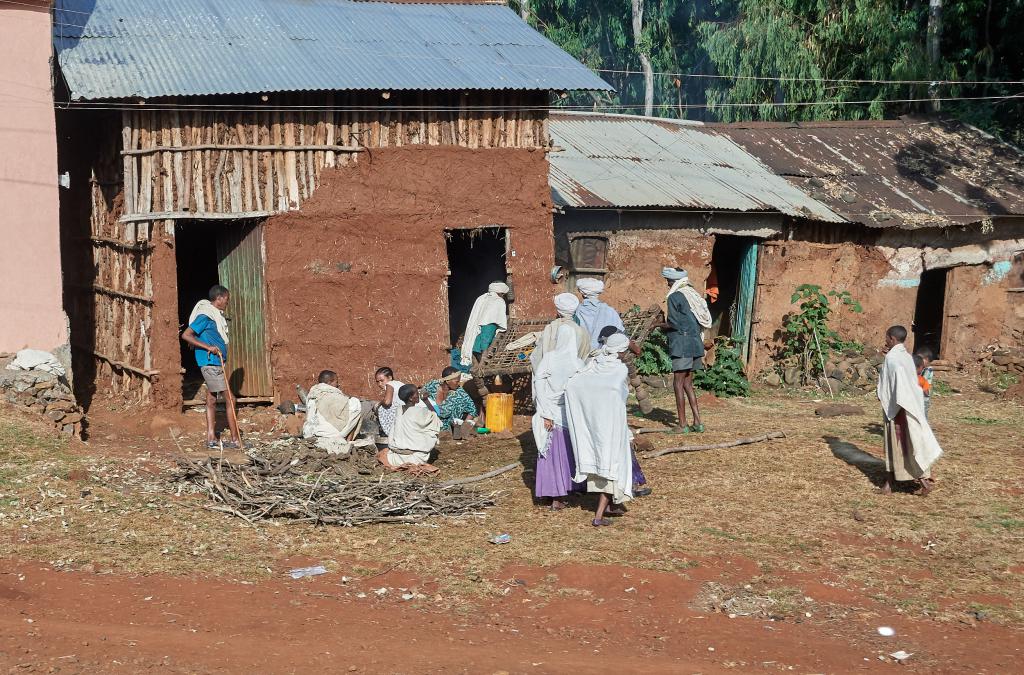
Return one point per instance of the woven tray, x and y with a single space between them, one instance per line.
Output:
499 361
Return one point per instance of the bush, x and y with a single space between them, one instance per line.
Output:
807 335
725 377
654 358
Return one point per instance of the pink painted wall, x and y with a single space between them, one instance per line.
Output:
31 307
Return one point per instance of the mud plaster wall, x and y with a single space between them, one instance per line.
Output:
386 217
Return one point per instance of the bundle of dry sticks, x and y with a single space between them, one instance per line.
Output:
307 487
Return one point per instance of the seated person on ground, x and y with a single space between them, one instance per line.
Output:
388 403
414 434
332 417
450 401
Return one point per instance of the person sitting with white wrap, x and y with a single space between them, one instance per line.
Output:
595 406
414 435
332 417
488 317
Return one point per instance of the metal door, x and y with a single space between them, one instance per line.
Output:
240 268
745 298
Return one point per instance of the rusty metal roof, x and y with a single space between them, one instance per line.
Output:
894 173
625 161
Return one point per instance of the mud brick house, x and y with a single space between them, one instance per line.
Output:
355 172
920 221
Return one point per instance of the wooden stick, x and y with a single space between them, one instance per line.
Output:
716 446
229 401
243 146
483 476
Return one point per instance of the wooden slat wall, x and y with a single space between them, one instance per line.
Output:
261 181
160 185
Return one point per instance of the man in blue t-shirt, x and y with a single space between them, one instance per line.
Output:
207 334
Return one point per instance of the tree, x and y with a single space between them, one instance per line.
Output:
642 46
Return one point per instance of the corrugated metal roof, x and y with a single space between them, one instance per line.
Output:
894 173
626 161
148 48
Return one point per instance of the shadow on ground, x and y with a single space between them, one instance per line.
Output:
872 467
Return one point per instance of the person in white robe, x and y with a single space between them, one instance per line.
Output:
565 305
332 417
910 445
488 317
555 463
414 435
595 405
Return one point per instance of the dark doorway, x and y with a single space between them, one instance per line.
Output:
930 310
734 273
196 255
476 258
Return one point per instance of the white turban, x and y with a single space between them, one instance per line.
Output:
590 287
672 274
616 344
566 304
498 287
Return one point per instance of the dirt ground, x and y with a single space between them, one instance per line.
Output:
777 556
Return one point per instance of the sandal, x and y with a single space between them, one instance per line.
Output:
600 522
557 507
642 491
212 445
696 428
615 511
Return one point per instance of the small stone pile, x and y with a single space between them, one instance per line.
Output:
1010 360
43 393
848 372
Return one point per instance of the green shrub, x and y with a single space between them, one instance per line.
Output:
654 358
725 377
807 336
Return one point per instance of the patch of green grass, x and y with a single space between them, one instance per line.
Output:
941 387
984 421
722 534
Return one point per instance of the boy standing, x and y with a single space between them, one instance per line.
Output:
207 333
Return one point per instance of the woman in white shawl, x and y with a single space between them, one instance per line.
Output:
555 462
488 317
595 405
910 445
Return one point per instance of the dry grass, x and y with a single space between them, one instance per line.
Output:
800 508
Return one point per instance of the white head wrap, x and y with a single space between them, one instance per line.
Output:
566 304
672 274
615 344
590 287
498 287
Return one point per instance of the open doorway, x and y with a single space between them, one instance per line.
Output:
196 254
476 258
930 310
734 275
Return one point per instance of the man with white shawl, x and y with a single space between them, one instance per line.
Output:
593 314
910 445
556 464
566 305
595 406
488 317
332 417
207 334
413 436
686 317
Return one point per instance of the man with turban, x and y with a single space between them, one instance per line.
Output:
488 316
595 406
686 317
597 316
565 306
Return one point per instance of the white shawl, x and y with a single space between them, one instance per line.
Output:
549 336
415 430
698 305
330 412
488 308
595 406
205 307
898 389
549 381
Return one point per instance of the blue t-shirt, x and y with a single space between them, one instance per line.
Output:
206 331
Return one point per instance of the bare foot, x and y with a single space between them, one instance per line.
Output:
886 489
926 487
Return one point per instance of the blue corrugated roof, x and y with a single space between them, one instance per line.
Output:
148 48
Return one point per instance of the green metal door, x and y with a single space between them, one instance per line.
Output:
744 307
240 268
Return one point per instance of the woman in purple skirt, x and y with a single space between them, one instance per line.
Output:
556 464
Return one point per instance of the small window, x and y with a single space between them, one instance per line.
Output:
589 255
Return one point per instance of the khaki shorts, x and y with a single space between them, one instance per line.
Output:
214 377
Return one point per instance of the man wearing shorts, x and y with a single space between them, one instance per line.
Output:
687 315
207 333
